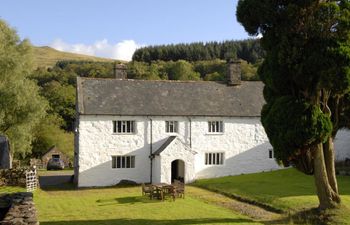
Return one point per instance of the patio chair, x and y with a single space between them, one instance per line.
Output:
146 189
155 192
180 188
169 190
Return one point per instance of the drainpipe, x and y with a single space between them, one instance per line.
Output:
151 150
189 118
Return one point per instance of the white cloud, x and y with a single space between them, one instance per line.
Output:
122 50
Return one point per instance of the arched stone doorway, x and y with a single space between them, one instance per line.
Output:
177 170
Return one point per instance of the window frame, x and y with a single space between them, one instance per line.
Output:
271 153
123 127
123 162
214 158
174 124
215 127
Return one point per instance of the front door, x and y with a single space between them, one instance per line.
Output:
177 170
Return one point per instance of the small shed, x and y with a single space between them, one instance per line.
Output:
54 152
5 154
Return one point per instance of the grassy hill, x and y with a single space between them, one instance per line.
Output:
47 57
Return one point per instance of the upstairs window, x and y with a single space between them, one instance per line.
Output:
123 127
271 156
215 127
216 158
171 126
123 162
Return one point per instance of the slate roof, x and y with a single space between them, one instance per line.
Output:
164 145
168 98
51 149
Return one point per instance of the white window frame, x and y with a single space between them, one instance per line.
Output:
214 158
271 154
124 127
171 126
123 161
216 127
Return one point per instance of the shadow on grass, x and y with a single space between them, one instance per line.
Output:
133 200
148 221
68 186
337 216
310 216
127 200
59 187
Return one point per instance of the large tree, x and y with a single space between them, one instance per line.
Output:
306 74
21 107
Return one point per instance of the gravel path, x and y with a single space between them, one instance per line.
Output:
249 210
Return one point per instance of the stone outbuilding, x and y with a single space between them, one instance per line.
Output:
5 154
54 152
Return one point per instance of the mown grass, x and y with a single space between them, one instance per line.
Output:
45 172
11 189
126 206
287 190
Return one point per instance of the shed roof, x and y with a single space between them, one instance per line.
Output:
168 98
52 148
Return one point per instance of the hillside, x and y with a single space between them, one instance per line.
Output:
47 57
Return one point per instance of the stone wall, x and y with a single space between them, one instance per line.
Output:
22 209
13 177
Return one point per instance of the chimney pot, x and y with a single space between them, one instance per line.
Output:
120 71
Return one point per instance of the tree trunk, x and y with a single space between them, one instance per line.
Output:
327 197
328 150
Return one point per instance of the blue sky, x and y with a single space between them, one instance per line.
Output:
116 28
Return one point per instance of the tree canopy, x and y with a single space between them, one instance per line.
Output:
248 50
306 73
21 107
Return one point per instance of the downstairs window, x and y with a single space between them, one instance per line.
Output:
215 158
123 162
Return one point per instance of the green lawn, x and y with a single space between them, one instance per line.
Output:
45 172
288 189
127 206
11 189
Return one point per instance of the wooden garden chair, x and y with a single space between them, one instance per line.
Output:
146 189
180 188
169 190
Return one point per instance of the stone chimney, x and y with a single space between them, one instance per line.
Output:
233 76
119 71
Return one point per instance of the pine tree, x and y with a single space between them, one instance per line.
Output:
306 74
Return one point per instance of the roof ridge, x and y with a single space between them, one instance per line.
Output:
165 81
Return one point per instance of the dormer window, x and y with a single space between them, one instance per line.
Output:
215 127
123 127
171 126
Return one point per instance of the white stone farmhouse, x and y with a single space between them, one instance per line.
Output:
158 131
